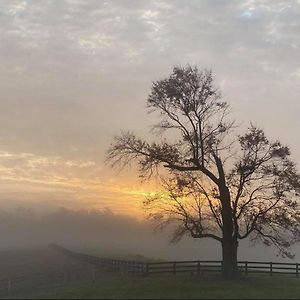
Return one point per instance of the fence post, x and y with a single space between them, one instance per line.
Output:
123 268
94 274
147 269
246 267
271 269
297 270
174 268
66 277
8 285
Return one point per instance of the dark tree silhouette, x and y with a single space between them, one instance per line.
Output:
218 184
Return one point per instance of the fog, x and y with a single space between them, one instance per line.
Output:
108 234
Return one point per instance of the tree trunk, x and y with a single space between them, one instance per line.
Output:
229 243
229 258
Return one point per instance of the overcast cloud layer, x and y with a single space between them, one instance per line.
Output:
73 73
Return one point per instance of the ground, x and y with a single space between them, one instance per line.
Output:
16 263
253 287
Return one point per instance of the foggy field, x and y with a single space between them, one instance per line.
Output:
23 262
264 287
18 262
149 149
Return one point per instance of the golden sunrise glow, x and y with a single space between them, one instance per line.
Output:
74 75
81 183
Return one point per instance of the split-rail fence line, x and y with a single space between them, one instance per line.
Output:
102 266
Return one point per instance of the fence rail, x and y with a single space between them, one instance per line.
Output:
178 267
134 268
201 267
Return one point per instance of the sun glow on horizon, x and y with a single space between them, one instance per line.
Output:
38 179
67 88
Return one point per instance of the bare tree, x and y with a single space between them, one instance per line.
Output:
219 184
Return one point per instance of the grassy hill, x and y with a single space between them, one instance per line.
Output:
108 286
259 287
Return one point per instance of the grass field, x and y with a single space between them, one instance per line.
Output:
263 287
14 263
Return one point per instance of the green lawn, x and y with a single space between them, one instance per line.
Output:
263 287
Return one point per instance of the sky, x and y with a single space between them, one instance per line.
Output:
74 73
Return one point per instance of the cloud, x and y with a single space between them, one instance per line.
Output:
30 180
75 73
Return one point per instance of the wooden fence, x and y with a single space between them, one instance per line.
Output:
102 266
202 267
180 267
106 264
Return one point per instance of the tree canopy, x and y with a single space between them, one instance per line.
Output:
220 184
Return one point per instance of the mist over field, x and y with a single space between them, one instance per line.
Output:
104 233
118 117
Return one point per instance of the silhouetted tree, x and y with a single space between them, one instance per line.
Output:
219 184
